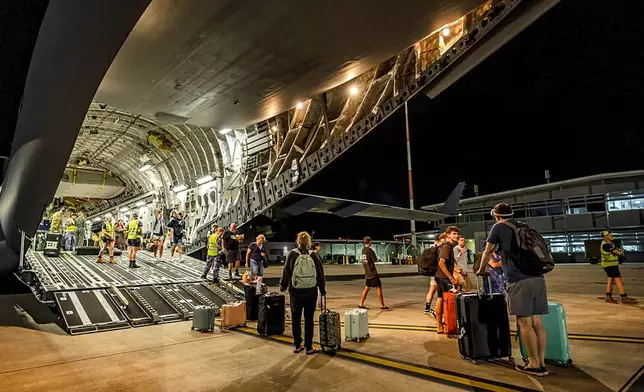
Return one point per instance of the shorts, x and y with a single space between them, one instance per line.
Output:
232 256
106 240
136 243
177 239
158 237
443 284
256 267
373 282
527 297
613 271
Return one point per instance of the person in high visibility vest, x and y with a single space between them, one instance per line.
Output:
107 238
213 260
610 263
70 233
134 232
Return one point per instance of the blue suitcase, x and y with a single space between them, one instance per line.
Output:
558 348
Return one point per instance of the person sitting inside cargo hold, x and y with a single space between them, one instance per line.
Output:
610 263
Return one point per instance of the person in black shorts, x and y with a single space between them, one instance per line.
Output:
231 241
369 259
445 275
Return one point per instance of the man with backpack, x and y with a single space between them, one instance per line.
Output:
303 276
427 265
445 273
372 278
525 258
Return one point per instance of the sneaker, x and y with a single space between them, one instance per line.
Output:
531 371
215 280
427 308
610 300
544 370
628 301
237 276
203 277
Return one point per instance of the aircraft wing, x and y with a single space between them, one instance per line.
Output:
302 202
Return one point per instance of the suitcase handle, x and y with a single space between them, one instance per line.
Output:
323 304
478 284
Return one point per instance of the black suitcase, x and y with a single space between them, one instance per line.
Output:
52 244
270 317
483 326
252 301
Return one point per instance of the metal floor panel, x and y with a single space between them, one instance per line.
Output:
159 304
134 312
89 311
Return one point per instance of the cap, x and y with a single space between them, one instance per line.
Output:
604 233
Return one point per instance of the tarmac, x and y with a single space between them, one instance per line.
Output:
403 353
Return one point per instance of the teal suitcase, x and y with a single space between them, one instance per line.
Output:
558 348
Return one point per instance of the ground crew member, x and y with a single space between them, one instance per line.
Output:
107 239
134 232
80 229
610 263
213 254
70 233
57 221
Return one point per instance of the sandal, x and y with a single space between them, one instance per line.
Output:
385 308
363 307
298 350
312 351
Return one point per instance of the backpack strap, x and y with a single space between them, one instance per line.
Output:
509 224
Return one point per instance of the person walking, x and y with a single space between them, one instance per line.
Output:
303 276
158 235
372 278
610 264
81 229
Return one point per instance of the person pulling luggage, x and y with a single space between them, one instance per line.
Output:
303 276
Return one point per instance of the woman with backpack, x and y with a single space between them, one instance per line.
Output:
303 276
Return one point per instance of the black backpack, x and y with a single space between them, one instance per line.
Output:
97 227
530 251
428 261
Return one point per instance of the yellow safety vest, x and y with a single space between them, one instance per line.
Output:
608 258
133 230
71 226
109 229
212 245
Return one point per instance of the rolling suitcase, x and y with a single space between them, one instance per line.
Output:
52 245
557 348
449 313
329 329
271 314
252 301
483 326
356 325
203 318
233 315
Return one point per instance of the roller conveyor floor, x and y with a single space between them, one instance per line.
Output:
94 297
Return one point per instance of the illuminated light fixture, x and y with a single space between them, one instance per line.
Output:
460 214
354 90
179 188
204 179
445 32
124 209
140 203
299 105
97 219
145 167
274 128
224 131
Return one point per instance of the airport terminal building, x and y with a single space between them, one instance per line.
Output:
566 212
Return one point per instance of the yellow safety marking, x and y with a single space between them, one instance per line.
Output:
366 358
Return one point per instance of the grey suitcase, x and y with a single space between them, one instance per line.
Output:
203 318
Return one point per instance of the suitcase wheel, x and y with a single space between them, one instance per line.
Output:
192 328
474 361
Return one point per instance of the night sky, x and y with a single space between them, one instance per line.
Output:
567 95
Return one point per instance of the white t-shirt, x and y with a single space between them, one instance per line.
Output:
460 256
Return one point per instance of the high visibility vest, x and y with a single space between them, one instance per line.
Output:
608 258
71 226
212 245
133 230
109 229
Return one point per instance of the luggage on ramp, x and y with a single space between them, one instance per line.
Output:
483 326
558 347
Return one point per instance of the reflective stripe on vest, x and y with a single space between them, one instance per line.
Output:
71 227
212 245
608 258
133 232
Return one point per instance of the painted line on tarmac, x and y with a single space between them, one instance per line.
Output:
572 336
636 380
410 369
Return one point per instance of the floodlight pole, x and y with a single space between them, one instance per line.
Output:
409 177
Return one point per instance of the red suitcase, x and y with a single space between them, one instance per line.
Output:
449 313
